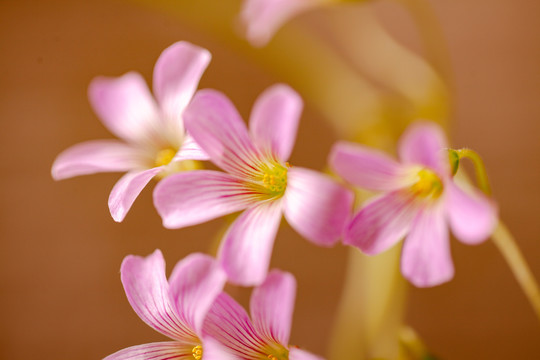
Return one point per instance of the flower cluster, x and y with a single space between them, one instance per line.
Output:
162 138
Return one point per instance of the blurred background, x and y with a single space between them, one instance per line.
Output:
362 68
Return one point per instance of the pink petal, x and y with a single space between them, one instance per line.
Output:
274 120
298 354
125 106
93 157
126 190
228 323
367 168
316 206
214 350
194 197
190 150
272 306
194 284
425 258
247 246
262 18
217 127
148 293
424 143
472 216
153 351
176 77
381 223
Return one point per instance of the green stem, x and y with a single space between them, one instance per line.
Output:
480 169
511 253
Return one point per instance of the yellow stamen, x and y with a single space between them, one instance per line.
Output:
197 352
274 179
428 184
164 156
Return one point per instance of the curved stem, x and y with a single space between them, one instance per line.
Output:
511 253
480 169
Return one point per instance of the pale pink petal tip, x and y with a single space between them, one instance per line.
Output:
272 306
472 216
274 120
127 189
299 354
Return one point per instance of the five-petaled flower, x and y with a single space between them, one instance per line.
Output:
176 308
419 198
266 335
258 179
154 141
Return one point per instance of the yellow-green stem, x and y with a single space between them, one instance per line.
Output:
511 253
479 168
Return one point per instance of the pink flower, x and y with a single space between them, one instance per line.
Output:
152 132
263 18
266 334
258 180
176 308
419 199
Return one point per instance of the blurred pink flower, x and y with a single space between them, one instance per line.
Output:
257 179
152 132
263 18
176 308
266 334
419 199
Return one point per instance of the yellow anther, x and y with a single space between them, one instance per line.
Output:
164 156
428 184
197 352
272 357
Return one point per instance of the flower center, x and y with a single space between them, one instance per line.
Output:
164 156
428 184
197 352
278 354
274 178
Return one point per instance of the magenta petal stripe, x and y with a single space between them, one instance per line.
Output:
424 143
216 126
194 284
316 206
95 156
274 120
425 258
194 197
154 351
147 291
272 306
247 246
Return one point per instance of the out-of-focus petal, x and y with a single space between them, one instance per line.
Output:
316 206
472 217
126 190
190 150
381 223
424 143
272 306
274 120
262 18
194 284
425 257
299 354
228 323
368 168
95 156
214 350
219 130
125 106
153 351
176 76
193 197
147 291
247 246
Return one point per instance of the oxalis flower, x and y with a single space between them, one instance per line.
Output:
419 199
152 132
266 335
258 179
176 308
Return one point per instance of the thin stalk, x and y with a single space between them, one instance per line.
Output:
506 244
479 168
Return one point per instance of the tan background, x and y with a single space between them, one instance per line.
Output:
61 297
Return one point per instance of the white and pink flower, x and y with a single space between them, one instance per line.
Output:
154 142
419 199
264 336
176 308
257 179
